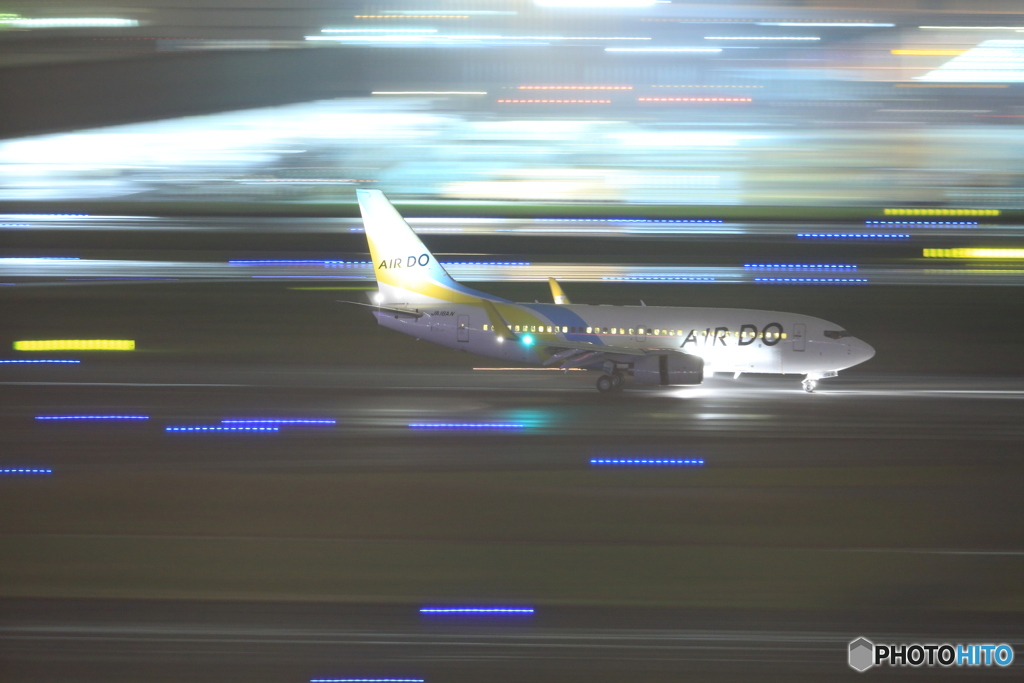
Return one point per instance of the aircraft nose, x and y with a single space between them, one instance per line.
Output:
864 351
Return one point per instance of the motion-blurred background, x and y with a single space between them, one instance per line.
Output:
181 173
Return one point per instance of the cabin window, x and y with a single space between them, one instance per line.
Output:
589 330
640 330
484 328
564 330
517 328
631 331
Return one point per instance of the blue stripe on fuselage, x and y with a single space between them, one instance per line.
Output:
564 317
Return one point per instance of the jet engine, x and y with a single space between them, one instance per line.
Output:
666 369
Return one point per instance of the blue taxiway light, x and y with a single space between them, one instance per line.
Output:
850 236
92 417
476 610
280 422
221 429
659 278
811 280
485 263
26 470
646 461
465 425
40 361
797 266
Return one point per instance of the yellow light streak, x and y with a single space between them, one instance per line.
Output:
975 253
76 345
942 212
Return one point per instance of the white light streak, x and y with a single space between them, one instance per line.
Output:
394 37
378 30
1000 61
682 139
663 49
595 4
972 28
83 22
441 11
830 24
761 38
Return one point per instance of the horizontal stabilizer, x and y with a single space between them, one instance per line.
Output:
384 309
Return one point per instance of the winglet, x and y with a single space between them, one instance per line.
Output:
556 292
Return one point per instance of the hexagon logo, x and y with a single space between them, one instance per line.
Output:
862 654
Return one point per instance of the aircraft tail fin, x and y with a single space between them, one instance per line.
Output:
406 271
556 292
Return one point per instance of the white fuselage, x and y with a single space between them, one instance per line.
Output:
727 339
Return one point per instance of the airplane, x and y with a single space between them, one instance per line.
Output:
641 345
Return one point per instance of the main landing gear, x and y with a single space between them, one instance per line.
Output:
809 385
612 382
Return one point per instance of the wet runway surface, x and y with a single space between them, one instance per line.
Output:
883 505
65 640
522 405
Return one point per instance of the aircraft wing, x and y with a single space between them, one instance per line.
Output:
588 346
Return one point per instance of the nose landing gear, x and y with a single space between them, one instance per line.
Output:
810 382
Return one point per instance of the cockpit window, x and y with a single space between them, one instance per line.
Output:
837 334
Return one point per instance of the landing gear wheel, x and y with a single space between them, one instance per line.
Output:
618 381
810 385
605 383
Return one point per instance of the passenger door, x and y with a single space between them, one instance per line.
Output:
462 332
799 336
